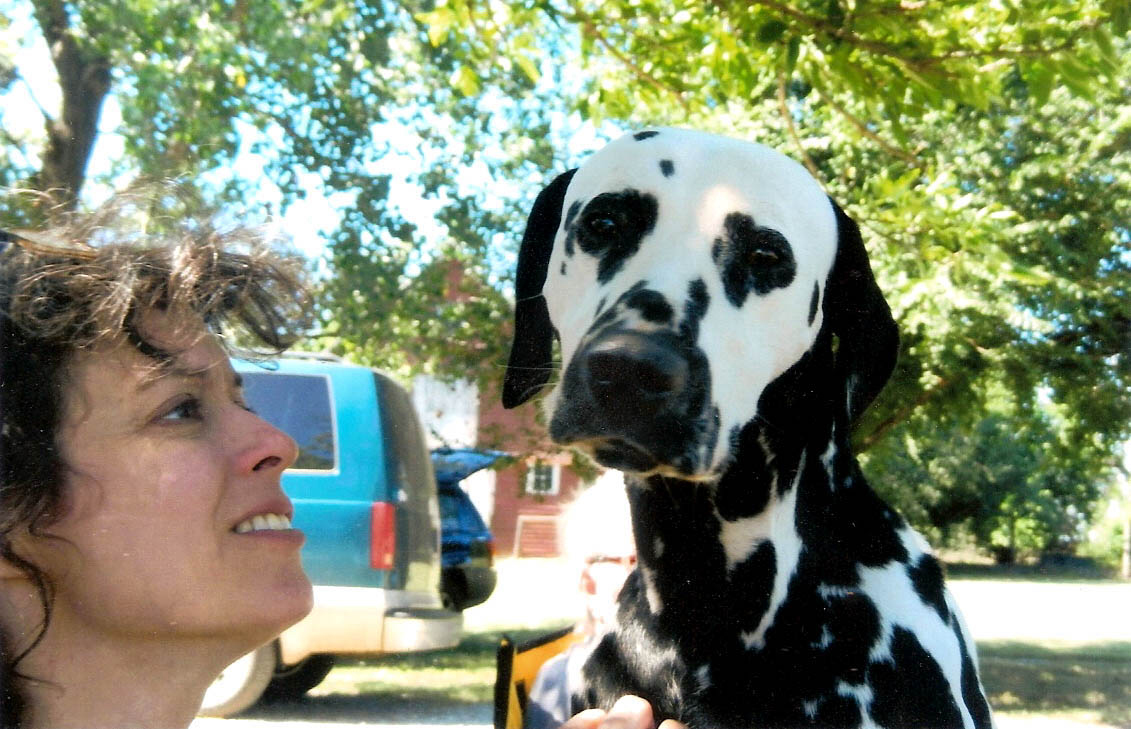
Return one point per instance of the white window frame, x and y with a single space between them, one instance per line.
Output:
531 476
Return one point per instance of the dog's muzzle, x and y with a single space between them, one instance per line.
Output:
634 399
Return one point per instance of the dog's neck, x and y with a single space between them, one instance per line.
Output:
722 554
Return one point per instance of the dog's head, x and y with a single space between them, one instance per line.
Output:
683 273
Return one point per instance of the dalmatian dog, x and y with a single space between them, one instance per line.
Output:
720 331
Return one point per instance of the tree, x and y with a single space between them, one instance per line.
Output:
322 92
982 146
1012 486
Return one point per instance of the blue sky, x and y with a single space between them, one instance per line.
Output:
38 89
304 221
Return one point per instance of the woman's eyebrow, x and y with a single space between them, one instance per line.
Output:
169 373
194 375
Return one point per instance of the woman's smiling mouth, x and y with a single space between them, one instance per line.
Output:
263 522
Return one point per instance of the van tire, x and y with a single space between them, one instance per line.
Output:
242 683
291 682
453 590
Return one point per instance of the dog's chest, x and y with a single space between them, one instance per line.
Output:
829 659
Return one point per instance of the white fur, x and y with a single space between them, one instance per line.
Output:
890 589
747 348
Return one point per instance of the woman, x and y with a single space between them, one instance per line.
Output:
134 565
144 538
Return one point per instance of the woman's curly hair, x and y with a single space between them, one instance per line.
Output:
87 283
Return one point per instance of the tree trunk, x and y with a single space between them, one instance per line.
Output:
84 77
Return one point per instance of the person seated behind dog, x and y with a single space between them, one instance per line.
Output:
130 466
597 541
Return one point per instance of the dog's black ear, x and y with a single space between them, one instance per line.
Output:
859 316
531 360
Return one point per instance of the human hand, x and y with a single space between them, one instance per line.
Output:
629 712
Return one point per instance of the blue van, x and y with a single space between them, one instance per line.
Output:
365 495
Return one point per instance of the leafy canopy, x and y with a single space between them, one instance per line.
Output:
983 147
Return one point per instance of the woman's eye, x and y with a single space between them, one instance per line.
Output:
187 409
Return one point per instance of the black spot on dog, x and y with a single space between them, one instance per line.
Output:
652 305
612 226
757 569
641 136
601 306
971 687
813 302
694 309
608 317
744 489
667 167
752 258
927 578
570 233
563 269
910 689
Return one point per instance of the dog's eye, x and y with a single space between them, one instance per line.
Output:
763 257
601 225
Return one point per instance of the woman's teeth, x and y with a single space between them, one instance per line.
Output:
263 522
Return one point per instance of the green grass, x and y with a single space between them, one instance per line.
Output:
1088 683
464 674
1029 573
1084 682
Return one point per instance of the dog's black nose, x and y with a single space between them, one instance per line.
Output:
632 372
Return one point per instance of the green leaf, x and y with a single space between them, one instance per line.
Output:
1040 79
439 23
466 80
771 31
792 53
528 67
1103 41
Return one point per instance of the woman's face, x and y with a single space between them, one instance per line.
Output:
165 471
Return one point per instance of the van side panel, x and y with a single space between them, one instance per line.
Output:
360 443
333 507
408 470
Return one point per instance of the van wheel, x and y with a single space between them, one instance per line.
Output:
241 684
453 590
291 682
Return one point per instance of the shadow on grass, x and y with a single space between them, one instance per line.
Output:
1039 678
454 686
475 650
451 686
1031 572
379 707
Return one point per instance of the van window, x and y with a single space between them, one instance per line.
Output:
300 406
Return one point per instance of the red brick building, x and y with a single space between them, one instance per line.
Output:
520 502
530 494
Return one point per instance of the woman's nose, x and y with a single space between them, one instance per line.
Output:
269 448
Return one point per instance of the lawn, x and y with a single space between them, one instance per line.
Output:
1088 684
1050 647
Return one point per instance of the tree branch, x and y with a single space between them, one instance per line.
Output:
898 53
784 109
590 29
902 414
864 130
